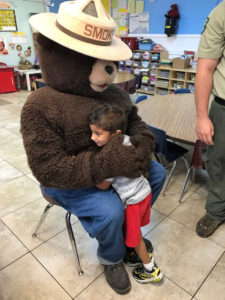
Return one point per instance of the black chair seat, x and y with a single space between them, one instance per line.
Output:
169 150
174 151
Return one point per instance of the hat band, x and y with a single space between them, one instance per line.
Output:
80 37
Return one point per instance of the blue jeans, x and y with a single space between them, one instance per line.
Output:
102 213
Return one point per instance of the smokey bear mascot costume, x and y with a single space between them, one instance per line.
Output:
79 58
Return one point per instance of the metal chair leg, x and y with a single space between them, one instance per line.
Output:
186 163
157 157
43 216
185 183
73 242
170 176
193 175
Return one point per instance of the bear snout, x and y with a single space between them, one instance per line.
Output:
109 69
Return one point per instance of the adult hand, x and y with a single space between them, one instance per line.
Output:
205 130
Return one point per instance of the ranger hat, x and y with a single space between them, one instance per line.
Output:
83 26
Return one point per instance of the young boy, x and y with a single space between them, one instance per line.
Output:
105 122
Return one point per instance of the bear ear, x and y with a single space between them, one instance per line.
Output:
43 41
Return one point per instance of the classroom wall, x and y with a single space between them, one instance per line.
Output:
192 17
55 6
192 14
23 9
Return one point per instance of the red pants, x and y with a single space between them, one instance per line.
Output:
136 215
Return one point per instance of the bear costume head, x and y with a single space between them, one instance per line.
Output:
74 72
71 42
79 57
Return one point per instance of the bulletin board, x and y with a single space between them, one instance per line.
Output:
7 20
126 13
119 12
106 4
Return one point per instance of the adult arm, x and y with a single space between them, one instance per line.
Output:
203 87
210 51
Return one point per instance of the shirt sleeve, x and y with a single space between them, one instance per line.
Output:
212 41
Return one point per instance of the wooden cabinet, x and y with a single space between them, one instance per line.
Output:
7 80
169 79
144 62
158 80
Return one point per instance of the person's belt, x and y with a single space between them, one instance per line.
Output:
219 100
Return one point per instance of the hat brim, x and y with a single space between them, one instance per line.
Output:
45 23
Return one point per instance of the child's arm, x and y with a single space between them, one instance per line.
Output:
103 185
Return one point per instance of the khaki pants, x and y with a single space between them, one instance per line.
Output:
214 159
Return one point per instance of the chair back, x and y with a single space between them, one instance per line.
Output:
138 81
182 91
40 84
2 64
141 98
160 139
131 86
168 149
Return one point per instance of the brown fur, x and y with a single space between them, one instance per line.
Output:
55 130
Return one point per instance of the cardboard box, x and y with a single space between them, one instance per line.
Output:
164 55
179 63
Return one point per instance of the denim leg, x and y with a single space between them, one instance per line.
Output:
157 177
101 214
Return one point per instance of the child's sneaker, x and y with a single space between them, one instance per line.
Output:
143 276
133 260
131 257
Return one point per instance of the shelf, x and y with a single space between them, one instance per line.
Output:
160 77
176 79
163 87
145 92
174 82
152 70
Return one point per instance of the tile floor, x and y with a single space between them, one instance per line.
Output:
43 268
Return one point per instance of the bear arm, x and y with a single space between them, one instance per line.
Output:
49 162
115 159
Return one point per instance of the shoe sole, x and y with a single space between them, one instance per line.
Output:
156 279
204 235
121 292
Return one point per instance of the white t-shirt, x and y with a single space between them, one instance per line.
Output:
130 190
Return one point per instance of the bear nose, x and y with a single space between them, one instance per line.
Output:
109 69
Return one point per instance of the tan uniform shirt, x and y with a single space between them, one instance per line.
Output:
212 45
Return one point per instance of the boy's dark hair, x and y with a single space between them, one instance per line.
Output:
108 117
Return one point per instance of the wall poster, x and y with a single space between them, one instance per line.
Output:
3 46
106 4
119 12
7 20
